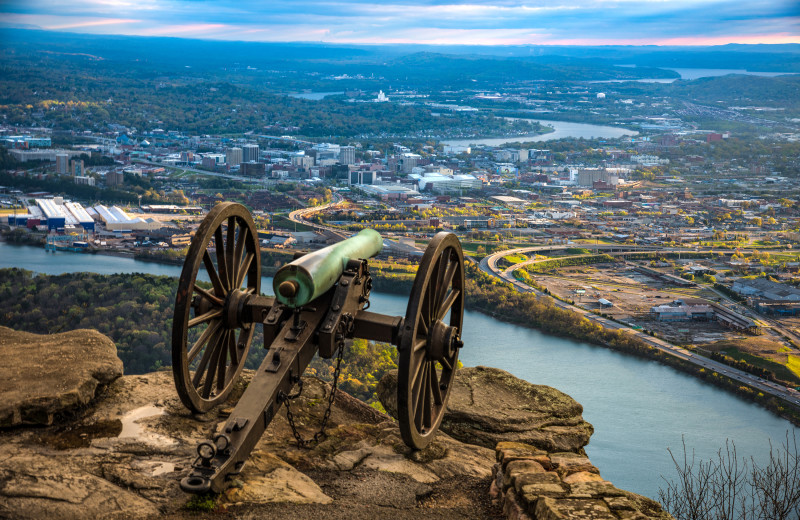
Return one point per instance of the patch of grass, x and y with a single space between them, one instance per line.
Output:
780 371
793 364
515 259
283 222
206 502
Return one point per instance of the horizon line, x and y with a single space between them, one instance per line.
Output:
573 43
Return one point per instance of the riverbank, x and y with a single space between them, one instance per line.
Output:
501 302
539 311
526 311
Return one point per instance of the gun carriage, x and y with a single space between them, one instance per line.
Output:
321 300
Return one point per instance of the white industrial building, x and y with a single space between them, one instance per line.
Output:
115 219
437 182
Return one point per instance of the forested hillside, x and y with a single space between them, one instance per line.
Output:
135 311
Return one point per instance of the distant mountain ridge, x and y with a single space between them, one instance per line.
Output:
218 53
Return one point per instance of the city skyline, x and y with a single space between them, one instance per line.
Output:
540 22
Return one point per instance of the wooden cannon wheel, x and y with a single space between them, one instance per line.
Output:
430 340
209 345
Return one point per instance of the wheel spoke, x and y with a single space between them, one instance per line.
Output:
234 357
446 364
219 289
448 279
222 362
427 410
423 327
418 397
208 384
437 392
210 315
419 345
447 304
232 348
241 240
441 287
243 270
214 298
207 355
229 262
223 268
204 337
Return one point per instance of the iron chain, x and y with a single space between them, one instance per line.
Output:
345 327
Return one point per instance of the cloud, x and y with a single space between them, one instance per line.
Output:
424 21
91 23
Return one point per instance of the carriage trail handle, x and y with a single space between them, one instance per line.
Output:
311 275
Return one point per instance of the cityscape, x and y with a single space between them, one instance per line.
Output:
609 200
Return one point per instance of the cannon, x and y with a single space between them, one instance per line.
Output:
321 301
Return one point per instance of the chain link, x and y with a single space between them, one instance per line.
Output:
345 327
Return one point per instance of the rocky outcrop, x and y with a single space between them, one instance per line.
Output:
489 405
42 377
123 456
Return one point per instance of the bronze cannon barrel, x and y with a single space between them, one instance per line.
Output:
306 278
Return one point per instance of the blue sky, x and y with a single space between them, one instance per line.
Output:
558 22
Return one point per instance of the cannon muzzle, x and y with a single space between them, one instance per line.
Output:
306 278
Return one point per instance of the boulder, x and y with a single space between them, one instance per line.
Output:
489 405
45 376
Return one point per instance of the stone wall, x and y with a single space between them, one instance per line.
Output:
532 484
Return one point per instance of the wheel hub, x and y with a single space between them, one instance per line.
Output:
232 307
442 341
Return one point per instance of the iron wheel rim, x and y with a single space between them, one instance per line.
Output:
217 354
424 383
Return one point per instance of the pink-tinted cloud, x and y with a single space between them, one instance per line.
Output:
91 23
488 22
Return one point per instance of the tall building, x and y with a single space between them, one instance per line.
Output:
250 153
303 161
253 169
362 177
234 156
347 155
76 168
62 163
408 161
115 178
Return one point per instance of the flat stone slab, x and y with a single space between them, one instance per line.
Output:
489 405
43 376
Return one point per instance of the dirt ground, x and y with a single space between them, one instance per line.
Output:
369 495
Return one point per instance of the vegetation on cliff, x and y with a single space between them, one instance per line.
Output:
135 311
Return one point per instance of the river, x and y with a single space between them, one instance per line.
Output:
639 408
562 130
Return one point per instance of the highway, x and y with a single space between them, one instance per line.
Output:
300 216
489 265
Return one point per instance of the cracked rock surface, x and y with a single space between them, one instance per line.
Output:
123 455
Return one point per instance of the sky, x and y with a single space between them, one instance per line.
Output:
475 22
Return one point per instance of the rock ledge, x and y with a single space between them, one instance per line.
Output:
45 376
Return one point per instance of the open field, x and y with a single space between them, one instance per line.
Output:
632 295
